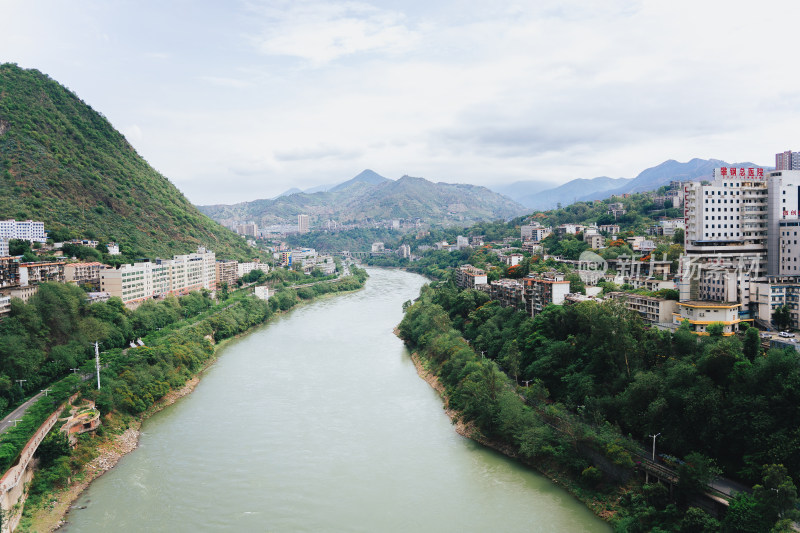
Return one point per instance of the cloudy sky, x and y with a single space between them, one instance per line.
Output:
239 100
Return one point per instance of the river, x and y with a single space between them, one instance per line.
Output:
319 422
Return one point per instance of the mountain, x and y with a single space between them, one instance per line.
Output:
371 198
368 176
63 163
572 191
648 180
293 190
520 189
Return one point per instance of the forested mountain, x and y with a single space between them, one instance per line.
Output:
63 163
371 198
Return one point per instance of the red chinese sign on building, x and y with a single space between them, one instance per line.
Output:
746 173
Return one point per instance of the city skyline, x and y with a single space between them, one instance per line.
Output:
247 100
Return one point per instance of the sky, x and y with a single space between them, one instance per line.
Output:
244 99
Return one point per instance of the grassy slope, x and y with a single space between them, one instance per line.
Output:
63 163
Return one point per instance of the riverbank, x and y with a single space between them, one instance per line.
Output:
470 431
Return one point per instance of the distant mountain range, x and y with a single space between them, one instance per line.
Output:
370 196
534 195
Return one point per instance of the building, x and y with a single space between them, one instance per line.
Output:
594 240
4 248
35 273
726 235
83 273
404 251
246 268
511 259
250 229
113 248
541 291
179 275
227 273
653 310
302 223
701 314
569 229
261 292
787 160
535 233
469 277
462 242
783 222
612 229
508 292
766 296
377 247
27 230
5 305
9 272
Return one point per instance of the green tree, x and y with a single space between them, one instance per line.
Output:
782 318
696 473
752 343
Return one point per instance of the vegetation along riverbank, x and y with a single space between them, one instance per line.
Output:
180 337
564 392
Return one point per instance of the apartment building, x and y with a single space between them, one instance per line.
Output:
179 275
534 233
543 290
83 273
227 273
469 277
25 230
653 310
302 223
246 268
34 273
594 240
508 292
9 272
4 248
766 296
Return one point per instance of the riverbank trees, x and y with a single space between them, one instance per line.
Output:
597 364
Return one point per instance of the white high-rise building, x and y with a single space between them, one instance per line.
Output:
726 235
302 223
25 230
783 258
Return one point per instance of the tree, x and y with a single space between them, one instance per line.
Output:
782 318
696 473
576 284
677 237
778 493
752 343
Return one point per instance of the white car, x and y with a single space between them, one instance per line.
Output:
785 334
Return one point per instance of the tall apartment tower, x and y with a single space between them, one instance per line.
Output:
302 223
787 160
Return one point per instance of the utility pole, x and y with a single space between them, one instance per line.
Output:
45 391
20 381
74 370
646 473
97 362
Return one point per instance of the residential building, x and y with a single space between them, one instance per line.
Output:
767 295
649 284
653 310
787 160
261 292
34 273
612 229
227 273
509 292
469 277
543 290
251 229
24 230
302 223
701 314
179 275
83 273
23 293
462 242
5 305
113 248
3 247
534 232
404 251
377 247
9 272
595 241
246 268
511 259
569 229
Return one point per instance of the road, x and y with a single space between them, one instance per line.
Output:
17 413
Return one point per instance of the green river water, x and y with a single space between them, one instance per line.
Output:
319 422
